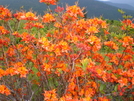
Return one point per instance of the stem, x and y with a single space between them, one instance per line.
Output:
4 54
121 57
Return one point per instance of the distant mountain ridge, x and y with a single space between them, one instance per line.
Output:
121 6
94 8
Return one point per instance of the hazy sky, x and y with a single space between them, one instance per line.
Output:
130 2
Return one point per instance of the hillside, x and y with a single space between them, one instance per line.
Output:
94 8
122 6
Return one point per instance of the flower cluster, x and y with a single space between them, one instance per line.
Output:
64 57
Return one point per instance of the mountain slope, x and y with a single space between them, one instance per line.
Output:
94 8
122 6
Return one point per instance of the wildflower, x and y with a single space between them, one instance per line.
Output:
22 71
2 73
50 95
5 14
59 9
26 16
47 18
49 2
4 90
111 44
38 25
3 30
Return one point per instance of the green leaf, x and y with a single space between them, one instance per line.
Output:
116 87
121 11
102 87
85 63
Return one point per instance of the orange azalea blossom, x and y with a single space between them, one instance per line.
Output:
29 25
22 71
4 90
127 40
127 57
3 30
26 16
49 2
111 44
133 81
27 37
74 11
45 43
50 95
58 25
106 32
59 9
113 59
19 15
103 99
11 51
57 51
4 42
38 25
123 82
11 71
47 67
2 73
92 30
62 66
127 22
5 14
94 42
47 18
64 46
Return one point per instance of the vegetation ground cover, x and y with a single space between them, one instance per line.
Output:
63 56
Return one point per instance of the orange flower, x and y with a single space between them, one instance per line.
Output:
133 81
127 22
11 71
106 32
50 95
29 25
4 90
4 42
26 16
74 11
62 66
46 67
3 30
47 18
59 9
2 73
38 25
92 30
22 71
11 51
103 99
71 86
127 40
58 25
111 44
5 14
123 81
57 51
27 37
48 2
64 46
94 42
19 15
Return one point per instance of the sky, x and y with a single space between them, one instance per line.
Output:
130 2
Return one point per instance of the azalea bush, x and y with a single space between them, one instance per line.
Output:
61 56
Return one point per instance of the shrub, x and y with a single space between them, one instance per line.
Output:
62 57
